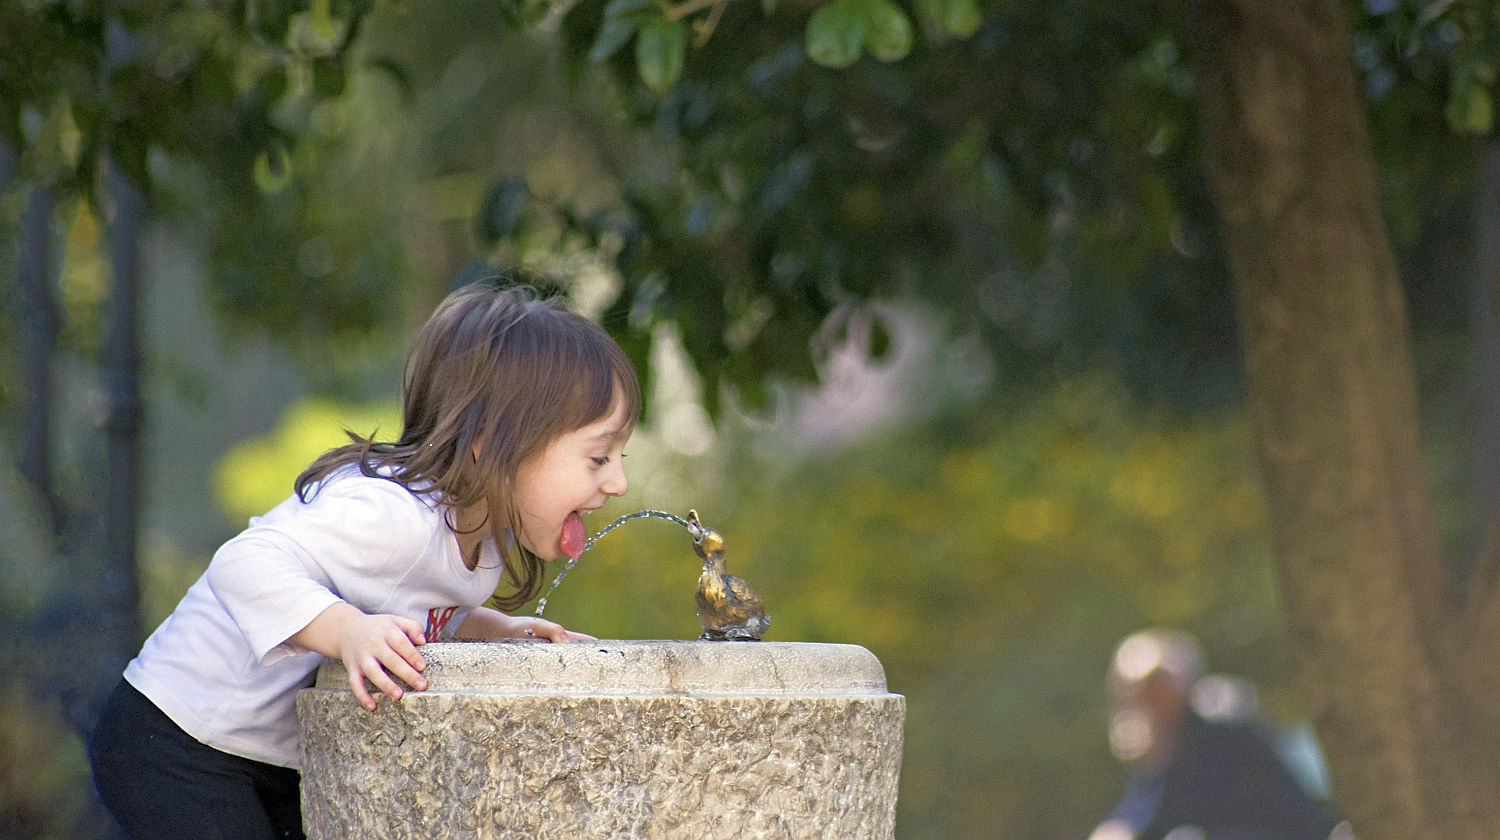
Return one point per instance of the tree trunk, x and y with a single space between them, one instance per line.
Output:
121 595
40 326
1485 327
1333 401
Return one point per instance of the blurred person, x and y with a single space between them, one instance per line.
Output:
1192 777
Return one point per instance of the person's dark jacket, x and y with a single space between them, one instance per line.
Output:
1226 779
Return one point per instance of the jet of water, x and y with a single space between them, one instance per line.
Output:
693 529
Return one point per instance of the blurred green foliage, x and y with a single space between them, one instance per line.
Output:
229 115
257 474
42 770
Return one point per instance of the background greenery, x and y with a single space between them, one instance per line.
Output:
942 346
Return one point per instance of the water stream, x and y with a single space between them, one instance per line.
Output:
589 543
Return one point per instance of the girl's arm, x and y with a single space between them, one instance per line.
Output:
372 647
351 544
290 582
485 623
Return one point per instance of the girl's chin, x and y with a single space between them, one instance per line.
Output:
546 553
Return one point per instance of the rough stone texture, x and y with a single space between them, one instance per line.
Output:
610 739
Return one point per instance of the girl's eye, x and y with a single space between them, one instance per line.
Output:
600 462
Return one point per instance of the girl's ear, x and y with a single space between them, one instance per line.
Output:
476 451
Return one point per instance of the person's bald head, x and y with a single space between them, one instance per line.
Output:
1150 682
1171 654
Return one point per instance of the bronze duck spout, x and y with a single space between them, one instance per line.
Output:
728 607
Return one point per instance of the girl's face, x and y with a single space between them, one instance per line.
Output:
577 473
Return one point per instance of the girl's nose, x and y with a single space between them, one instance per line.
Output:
615 483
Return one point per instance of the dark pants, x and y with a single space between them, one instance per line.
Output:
160 782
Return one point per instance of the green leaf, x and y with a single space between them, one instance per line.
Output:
959 18
767 7
659 53
273 168
836 33
1471 110
888 36
963 17
612 35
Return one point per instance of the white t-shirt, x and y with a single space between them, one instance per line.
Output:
220 665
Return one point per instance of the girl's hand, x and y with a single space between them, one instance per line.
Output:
375 647
541 628
486 623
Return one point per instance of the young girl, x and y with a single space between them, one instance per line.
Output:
515 413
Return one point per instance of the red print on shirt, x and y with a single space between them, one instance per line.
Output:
437 619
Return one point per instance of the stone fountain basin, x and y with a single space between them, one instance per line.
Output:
649 739
634 667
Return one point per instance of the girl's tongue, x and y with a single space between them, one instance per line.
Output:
572 539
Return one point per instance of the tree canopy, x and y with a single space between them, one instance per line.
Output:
1033 171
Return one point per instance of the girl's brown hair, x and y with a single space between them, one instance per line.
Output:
503 371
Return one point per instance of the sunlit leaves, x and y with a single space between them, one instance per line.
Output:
1471 103
198 83
888 36
55 147
659 52
836 33
660 40
257 473
1469 32
620 21
1471 110
273 169
613 34
1450 48
840 31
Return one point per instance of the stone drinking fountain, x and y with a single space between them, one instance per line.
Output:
615 739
